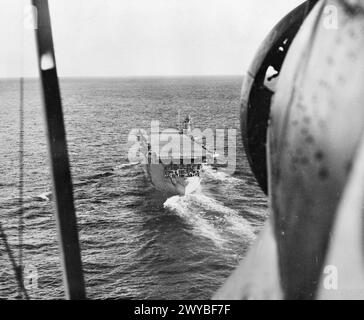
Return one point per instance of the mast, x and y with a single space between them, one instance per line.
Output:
58 154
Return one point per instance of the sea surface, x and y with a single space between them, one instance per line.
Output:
136 242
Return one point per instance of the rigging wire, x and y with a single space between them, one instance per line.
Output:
18 267
15 267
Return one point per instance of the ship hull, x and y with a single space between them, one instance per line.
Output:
170 185
176 172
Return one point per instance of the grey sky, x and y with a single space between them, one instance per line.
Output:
142 37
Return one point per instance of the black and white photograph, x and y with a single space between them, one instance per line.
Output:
207 151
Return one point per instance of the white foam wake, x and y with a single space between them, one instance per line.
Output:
183 209
193 185
45 196
126 165
230 218
210 218
219 175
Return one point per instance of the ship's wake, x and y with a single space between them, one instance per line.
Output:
193 185
210 219
126 165
218 175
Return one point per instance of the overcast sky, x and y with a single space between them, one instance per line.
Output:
142 37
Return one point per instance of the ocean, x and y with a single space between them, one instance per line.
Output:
136 243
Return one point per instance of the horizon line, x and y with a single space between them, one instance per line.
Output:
128 76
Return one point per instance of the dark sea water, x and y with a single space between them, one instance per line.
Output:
136 242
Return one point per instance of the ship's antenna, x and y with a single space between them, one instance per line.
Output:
62 181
